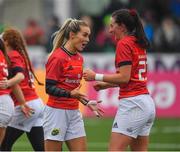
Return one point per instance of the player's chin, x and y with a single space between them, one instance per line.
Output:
81 48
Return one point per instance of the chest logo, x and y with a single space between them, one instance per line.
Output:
70 67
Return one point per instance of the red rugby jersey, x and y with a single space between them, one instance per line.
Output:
3 73
67 70
129 51
27 86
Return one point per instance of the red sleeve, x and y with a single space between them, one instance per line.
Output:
54 68
16 60
123 54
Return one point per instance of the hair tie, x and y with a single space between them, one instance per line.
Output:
132 12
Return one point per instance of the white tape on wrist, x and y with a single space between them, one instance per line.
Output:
99 77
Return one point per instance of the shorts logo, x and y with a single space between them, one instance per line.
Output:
129 129
115 125
21 124
55 132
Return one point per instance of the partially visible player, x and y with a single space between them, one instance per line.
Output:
21 67
64 69
136 112
6 103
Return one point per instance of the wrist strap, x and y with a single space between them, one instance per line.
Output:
99 77
84 101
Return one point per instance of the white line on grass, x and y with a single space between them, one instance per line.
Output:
166 130
157 146
151 145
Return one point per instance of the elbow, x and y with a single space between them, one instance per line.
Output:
20 76
16 79
47 89
124 80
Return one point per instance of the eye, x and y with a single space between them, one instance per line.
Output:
85 34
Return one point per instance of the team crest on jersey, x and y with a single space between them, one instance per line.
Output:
70 67
55 131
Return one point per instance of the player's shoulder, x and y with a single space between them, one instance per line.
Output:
14 53
59 53
79 55
1 54
57 56
127 40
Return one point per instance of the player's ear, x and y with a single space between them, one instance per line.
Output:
71 35
122 27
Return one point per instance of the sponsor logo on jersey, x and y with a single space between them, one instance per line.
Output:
55 131
72 81
70 67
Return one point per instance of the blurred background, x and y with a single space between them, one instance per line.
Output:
38 19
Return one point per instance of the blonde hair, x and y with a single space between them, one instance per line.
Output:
62 35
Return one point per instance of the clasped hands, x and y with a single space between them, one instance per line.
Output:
93 105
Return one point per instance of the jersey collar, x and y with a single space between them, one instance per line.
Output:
65 50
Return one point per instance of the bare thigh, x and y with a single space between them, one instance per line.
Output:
52 145
140 143
77 144
2 133
119 142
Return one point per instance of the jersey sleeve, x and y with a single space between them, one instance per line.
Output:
16 64
54 68
16 60
123 55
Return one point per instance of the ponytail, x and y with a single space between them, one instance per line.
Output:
139 30
61 35
28 62
131 20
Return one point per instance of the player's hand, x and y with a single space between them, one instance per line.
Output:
4 84
89 75
27 111
100 86
77 94
93 106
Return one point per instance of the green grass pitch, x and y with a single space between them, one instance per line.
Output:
165 135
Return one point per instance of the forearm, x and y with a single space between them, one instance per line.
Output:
17 92
58 92
110 85
16 79
121 76
53 90
115 79
20 98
